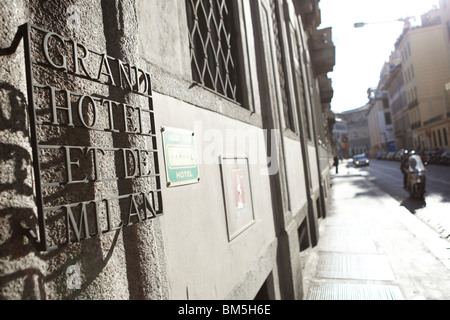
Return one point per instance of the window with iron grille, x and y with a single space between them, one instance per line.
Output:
285 93
214 45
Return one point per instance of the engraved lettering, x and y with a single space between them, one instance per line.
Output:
128 118
143 162
144 78
77 228
126 76
140 208
95 156
70 163
46 41
108 72
80 110
108 215
97 217
125 153
149 205
123 75
105 124
110 104
67 107
133 206
80 60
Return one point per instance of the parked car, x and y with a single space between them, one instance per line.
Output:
380 155
434 155
445 157
360 160
390 156
399 154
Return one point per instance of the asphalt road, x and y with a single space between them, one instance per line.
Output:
434 210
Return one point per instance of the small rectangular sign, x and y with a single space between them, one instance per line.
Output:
236 184
180 156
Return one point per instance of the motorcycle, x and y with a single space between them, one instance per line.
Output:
416 177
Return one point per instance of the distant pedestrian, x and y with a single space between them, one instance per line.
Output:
336 163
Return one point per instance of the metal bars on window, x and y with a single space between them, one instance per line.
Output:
285 94
212 39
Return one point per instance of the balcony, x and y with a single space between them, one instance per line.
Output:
322 51
326 89
413 103
433 120
416 125
309 11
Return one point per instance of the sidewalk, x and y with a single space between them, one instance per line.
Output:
371 248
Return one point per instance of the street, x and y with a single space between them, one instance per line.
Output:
434 210
374 244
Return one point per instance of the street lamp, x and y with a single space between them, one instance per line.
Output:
405 20
359 24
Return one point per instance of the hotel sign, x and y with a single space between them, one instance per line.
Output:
180 156
93 139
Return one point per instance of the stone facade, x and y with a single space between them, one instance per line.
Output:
88 209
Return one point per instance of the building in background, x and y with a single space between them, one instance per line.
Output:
357 130
425 68
341 137
394 85
444 6
162 149
379 120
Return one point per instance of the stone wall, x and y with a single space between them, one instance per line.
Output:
121 264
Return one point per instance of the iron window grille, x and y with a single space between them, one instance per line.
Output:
214 43
285 93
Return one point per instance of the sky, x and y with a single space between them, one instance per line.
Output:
361 52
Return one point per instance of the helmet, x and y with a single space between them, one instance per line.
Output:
405 154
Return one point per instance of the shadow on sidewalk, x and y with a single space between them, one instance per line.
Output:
364 189
413 204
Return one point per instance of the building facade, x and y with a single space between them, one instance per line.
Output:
342 143
399 108
379 121
161 149
425 72
395 86
444 7
357 130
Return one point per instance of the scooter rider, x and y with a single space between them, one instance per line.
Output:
404 167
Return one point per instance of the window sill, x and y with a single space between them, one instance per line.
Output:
196 94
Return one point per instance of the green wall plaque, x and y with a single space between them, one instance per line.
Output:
180 156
